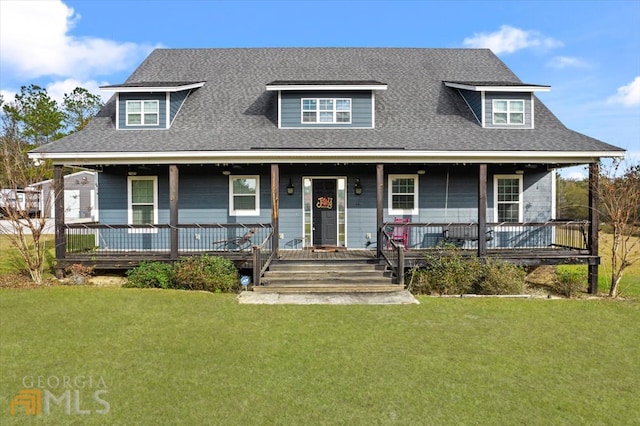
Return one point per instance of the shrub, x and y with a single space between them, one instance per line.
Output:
447 273
570 281
209 273
451 272
500 277
151 275
78 273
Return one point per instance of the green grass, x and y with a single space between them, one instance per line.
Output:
630 283
171 357
11 262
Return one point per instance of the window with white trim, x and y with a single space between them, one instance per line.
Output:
143 113
143 200
244 195
326 110
403 194
507 195
508 111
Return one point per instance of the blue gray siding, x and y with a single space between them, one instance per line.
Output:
474 100
448 194
361 109
176 101
122 108
488 102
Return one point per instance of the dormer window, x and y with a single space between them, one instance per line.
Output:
500 105
508 111
150 105
316 104
142 113
326 110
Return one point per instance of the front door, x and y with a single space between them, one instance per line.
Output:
325 213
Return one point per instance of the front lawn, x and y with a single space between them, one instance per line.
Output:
174 357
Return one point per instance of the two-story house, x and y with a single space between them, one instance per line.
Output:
257 154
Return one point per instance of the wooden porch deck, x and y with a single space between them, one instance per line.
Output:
413 257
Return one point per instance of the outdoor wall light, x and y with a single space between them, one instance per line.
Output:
357 188
290 188
226 172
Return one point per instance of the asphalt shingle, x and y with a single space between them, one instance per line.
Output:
233 110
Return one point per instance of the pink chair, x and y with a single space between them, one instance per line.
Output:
400 234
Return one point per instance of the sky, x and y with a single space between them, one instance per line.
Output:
587 51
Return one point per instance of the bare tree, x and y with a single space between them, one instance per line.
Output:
21 206
32 119
619 194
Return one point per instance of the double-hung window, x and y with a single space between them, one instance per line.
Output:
143 200
508 198
508 112
143 113
326 110
403 194
244 195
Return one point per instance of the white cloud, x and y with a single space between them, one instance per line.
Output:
560 62
509 39
35 41
574 173
58 89
628 95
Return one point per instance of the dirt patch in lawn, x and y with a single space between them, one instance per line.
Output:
22 280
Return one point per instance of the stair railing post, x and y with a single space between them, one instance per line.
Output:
257 265
400 268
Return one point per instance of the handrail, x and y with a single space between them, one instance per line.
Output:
259 267
394 256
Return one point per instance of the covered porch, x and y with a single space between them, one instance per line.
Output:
253 246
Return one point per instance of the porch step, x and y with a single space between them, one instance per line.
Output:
328 288
327 277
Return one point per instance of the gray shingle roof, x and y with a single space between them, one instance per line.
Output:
233 111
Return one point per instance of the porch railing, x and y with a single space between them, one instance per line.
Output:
498 236
571 235
192 238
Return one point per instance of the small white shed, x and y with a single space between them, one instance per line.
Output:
80 197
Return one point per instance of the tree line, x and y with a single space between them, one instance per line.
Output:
32 119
